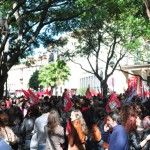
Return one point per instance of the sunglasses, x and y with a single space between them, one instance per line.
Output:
3 105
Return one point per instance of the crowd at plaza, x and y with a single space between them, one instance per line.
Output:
86 124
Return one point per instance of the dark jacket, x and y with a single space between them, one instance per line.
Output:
145 134
134 141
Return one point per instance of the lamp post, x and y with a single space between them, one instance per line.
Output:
112 66
101 75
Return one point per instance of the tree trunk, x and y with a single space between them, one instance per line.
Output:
3 79
105 88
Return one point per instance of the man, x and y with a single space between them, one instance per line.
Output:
2 107
38 140
118 138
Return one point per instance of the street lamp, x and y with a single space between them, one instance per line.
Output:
101 75
112 66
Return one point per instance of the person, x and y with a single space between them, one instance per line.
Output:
28 125
15 118
63 96
38 140
3 108
134 138
118 138
6 132
146 131
4 145
54 131
100 115
8 103
75 133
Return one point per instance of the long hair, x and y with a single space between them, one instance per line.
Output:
33 111
53 120
131 124
4 120
82 121
139 109
127 110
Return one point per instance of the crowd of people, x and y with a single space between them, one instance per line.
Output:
86 126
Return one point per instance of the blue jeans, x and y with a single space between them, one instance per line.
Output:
41 147
27 144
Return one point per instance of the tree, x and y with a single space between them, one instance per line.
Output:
29 23
107 34
55 73
34 81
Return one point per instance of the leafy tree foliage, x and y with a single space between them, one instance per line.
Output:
29 23
55 73
34 82
108 33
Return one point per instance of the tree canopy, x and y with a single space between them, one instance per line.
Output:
108 33
29 23
55 73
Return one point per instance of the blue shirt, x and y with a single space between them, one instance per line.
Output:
4 145
118 139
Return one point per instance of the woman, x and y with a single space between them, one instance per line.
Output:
55 137
146 131
6 132
28 125
76 132
135 140
82 121
15 118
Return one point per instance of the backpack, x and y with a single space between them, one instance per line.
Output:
95 133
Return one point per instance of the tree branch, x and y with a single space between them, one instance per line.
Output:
90 65
131 73
81 66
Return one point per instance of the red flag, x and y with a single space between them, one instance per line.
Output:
88 93
146 93
48 92
26 94
67 103
133 82
32 97
39 94
93 93
113 103
70 92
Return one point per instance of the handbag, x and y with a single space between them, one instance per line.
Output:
11 143
48 138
